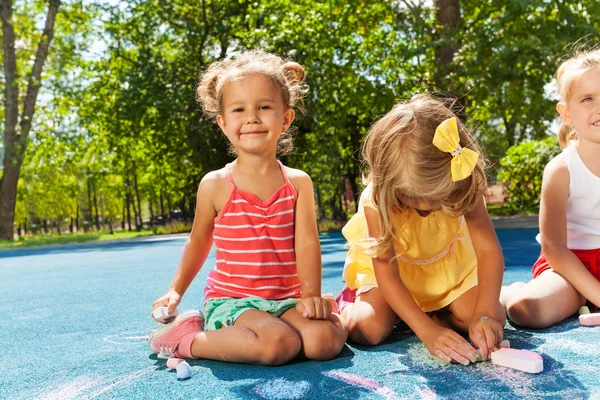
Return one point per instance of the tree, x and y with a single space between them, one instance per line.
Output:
447 14
18 125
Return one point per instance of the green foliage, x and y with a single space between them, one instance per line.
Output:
48 240
174 227
118 117
329 225
522 171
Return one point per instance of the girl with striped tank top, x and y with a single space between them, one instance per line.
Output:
566 275
422 246
263 301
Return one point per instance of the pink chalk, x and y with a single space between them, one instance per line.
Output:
589 319
523 360
174 362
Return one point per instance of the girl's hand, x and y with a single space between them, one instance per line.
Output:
314 308
171 300
449 346
485 333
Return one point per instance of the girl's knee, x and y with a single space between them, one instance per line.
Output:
526 312
278 346
368 332
324 340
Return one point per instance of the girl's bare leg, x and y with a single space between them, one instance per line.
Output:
370 319
542 302
256 337
322 339
458 314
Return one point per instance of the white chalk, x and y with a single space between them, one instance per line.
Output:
184 370
584 310
523 360
589 319
161 314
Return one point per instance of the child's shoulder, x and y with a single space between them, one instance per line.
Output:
556 166
300 179
294 173
297 176
214 181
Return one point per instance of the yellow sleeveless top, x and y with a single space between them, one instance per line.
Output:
438 267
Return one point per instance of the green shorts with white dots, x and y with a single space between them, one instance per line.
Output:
223 312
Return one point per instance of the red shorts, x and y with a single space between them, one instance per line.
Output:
589 258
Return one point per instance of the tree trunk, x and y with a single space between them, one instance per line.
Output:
97 218
123 214
162 208
137 196
128 197
169 208
183 209
192 207
102 210
447 14
89 193
15 137
319 205
151 210
77 218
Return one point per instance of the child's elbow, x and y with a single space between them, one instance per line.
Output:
553 254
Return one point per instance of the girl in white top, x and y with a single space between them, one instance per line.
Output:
567 273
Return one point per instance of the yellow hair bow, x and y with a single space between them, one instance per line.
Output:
447 140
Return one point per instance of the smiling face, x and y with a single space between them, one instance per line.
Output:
253 114
582 109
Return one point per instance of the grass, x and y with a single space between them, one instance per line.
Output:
67 238
502 210
330 225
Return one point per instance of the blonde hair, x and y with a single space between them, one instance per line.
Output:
288 76
401 157
568 73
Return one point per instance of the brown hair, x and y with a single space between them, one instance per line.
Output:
568 73
286 75
401 157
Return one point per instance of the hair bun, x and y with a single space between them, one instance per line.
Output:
293 72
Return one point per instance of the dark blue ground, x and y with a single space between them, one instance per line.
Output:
75 321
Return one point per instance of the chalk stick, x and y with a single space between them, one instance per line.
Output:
505 344
174 362
183 370
584 310
162 313
523 360
589 319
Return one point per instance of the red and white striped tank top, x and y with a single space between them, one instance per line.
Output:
255 246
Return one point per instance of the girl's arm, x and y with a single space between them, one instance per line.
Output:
486 327
441 342
197 247
553 228
308 250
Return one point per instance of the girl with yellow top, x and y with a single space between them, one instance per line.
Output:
422 246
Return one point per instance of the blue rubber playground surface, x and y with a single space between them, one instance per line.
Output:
75 321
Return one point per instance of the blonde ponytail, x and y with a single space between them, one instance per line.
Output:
566 134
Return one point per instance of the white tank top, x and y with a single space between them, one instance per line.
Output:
583 206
